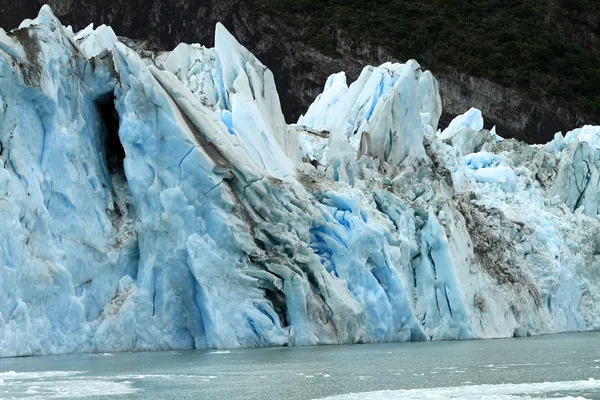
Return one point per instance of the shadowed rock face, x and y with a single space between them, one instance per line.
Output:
300 70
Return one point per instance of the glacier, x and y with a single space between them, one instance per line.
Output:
154 201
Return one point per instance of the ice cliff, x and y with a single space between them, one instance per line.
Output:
160 201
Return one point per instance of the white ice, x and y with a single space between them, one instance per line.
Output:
471 119
224 227
530 391
61 385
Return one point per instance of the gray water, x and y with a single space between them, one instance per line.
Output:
571 363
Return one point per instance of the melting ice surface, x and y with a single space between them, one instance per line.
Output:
555 366
160 201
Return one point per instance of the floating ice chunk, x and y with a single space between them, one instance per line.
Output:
71 387
12 375
532 391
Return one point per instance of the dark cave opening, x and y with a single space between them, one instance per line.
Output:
278 303
113 149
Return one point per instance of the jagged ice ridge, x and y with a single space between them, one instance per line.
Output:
160 201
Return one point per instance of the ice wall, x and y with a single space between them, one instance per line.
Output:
161 202
63 243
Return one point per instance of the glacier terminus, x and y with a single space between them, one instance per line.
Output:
153 201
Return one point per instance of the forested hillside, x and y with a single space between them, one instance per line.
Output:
532 66
545 48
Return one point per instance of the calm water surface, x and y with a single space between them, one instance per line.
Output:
559 366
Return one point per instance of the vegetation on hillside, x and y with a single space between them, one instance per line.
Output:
544 48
